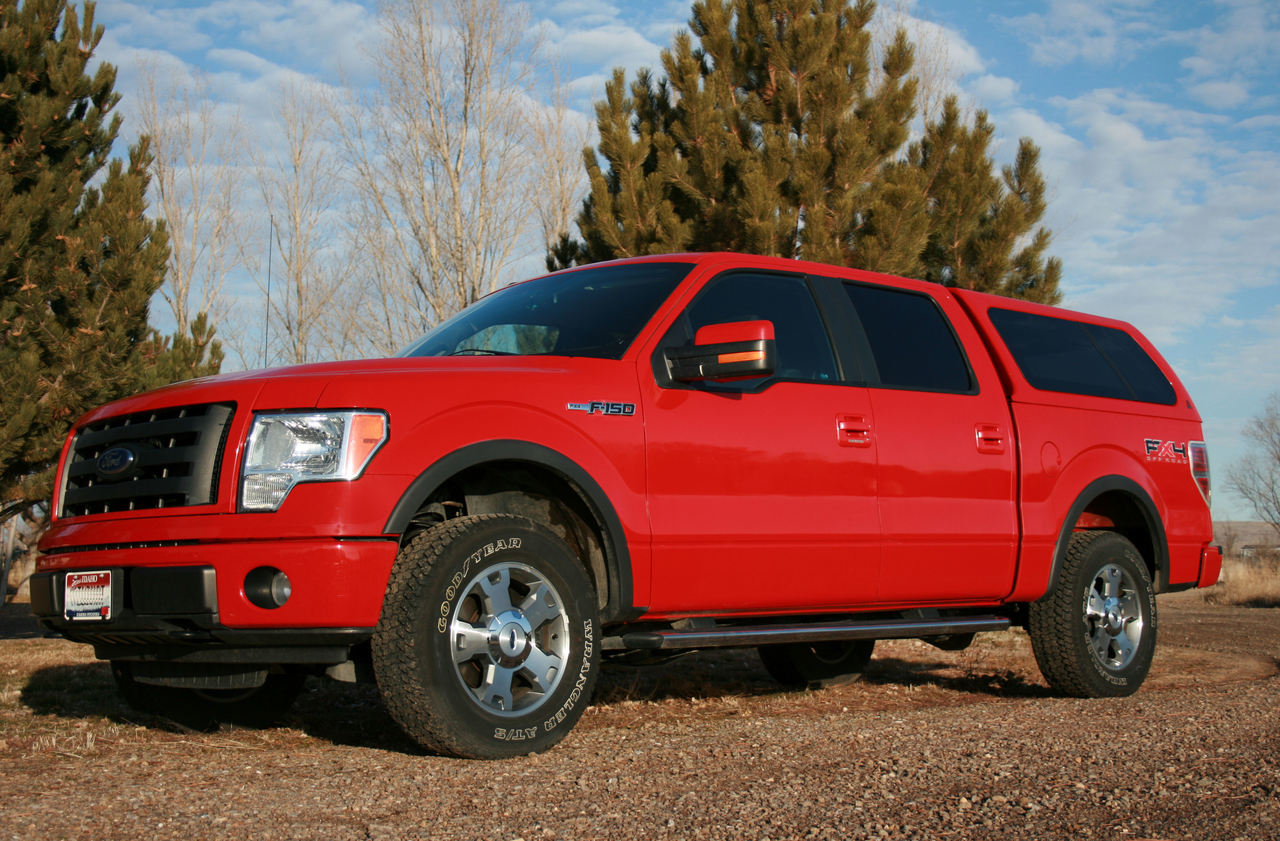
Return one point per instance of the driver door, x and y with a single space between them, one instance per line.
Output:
762 492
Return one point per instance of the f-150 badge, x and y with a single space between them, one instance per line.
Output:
600 407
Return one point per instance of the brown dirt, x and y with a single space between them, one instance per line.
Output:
930 744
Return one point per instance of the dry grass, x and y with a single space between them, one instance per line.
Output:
1252 583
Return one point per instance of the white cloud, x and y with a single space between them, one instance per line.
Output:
585 13
314 35
150 25
608 46
1221 95
1265 122
664 31
1249 352
325 33
992 91
1199 66
241 61
589 86
1070 30
1244 39
1057 146
1233 53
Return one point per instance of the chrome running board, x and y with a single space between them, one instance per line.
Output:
723 636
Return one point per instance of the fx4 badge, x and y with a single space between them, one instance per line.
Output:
599 407
1169 451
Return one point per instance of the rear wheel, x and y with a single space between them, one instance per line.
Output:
486 645
816 663
205 709
1094 634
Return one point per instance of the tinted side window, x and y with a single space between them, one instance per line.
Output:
804 352
1056 354
911 340
1140 372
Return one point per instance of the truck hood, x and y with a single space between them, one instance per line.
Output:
304 386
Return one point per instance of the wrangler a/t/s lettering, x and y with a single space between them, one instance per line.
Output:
628 460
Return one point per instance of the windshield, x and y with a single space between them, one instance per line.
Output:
590 312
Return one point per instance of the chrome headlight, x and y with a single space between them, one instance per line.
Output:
287 448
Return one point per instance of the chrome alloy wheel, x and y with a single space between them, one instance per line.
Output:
509 639
1114 617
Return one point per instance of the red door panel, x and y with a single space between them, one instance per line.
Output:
944 447
946 496
761 494
755 505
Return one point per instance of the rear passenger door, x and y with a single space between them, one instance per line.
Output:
945 447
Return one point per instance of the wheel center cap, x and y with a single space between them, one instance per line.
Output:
1112 619
510 638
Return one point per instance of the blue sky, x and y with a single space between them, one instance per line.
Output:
1158 123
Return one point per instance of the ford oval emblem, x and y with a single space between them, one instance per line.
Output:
115 461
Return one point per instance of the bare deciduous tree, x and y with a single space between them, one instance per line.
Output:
558 137
196 181
1227 536
442 153
1256 477
310 316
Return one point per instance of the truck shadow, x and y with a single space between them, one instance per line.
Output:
84 690
17 623
727 673
341 713
1000 683
353 715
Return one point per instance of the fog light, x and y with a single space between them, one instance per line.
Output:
267 587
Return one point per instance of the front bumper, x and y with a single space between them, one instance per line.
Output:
188 602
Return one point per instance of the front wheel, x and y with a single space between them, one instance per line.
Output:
1094 634
486 646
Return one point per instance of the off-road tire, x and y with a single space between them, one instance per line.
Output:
1094 633
816 664
487 644
207 709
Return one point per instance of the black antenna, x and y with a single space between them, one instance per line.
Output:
266 316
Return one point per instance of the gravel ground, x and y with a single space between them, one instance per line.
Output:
928 745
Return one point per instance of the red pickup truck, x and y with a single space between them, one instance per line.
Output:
635 459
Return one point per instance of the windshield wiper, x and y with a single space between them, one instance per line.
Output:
482 351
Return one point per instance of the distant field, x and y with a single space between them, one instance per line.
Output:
1247 582
1232 535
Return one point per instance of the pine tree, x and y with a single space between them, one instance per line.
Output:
772 135
630 211
79 259
182 355
976 220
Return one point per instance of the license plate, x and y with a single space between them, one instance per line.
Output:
87 596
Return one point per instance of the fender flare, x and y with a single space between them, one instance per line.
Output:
617 554
1151 518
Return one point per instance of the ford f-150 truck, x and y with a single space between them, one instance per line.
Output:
635 459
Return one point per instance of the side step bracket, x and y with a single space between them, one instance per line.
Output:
725 636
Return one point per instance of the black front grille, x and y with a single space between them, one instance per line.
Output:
166 458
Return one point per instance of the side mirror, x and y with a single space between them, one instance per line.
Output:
739 350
